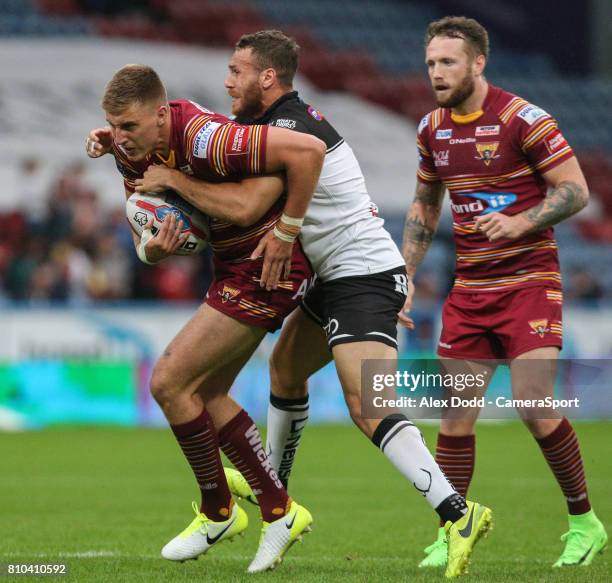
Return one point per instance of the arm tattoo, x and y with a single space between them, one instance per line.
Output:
421 223
417 238
562 202
430 195
417 232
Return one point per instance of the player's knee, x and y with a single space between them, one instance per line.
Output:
353 403
163 385
285 381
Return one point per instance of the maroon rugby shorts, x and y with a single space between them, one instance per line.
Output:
494 325
235 291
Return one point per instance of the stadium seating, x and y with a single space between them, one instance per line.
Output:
371 49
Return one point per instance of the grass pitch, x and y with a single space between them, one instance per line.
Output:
104 501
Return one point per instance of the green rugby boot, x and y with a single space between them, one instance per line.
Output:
436 552
584 540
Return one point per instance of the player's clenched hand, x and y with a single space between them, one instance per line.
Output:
404 318
497 226
156 178
277 260
99 142
166 241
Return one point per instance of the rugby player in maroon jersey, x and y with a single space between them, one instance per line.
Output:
194 374
511 176
350 313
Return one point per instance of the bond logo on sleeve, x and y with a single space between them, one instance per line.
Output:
530 114
200 143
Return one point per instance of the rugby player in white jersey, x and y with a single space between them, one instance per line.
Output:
350 313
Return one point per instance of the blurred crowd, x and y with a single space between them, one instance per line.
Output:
62 245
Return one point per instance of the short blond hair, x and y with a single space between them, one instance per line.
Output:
133 84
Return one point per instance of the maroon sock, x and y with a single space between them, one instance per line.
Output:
199 443
456 456
562 453
241 442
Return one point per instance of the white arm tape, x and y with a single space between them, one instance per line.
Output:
283 236
146 236
291 221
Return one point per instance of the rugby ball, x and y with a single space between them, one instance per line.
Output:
140 208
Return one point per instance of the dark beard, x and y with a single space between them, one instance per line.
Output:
251 104
459 95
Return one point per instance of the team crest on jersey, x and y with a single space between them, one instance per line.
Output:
228 294
487 131
539 327
487 152
315 113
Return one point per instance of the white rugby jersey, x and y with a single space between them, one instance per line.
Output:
342 234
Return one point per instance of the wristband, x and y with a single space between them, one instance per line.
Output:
146 236
283 236
288 229
291 221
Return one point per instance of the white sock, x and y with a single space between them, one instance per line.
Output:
286 421
403 444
